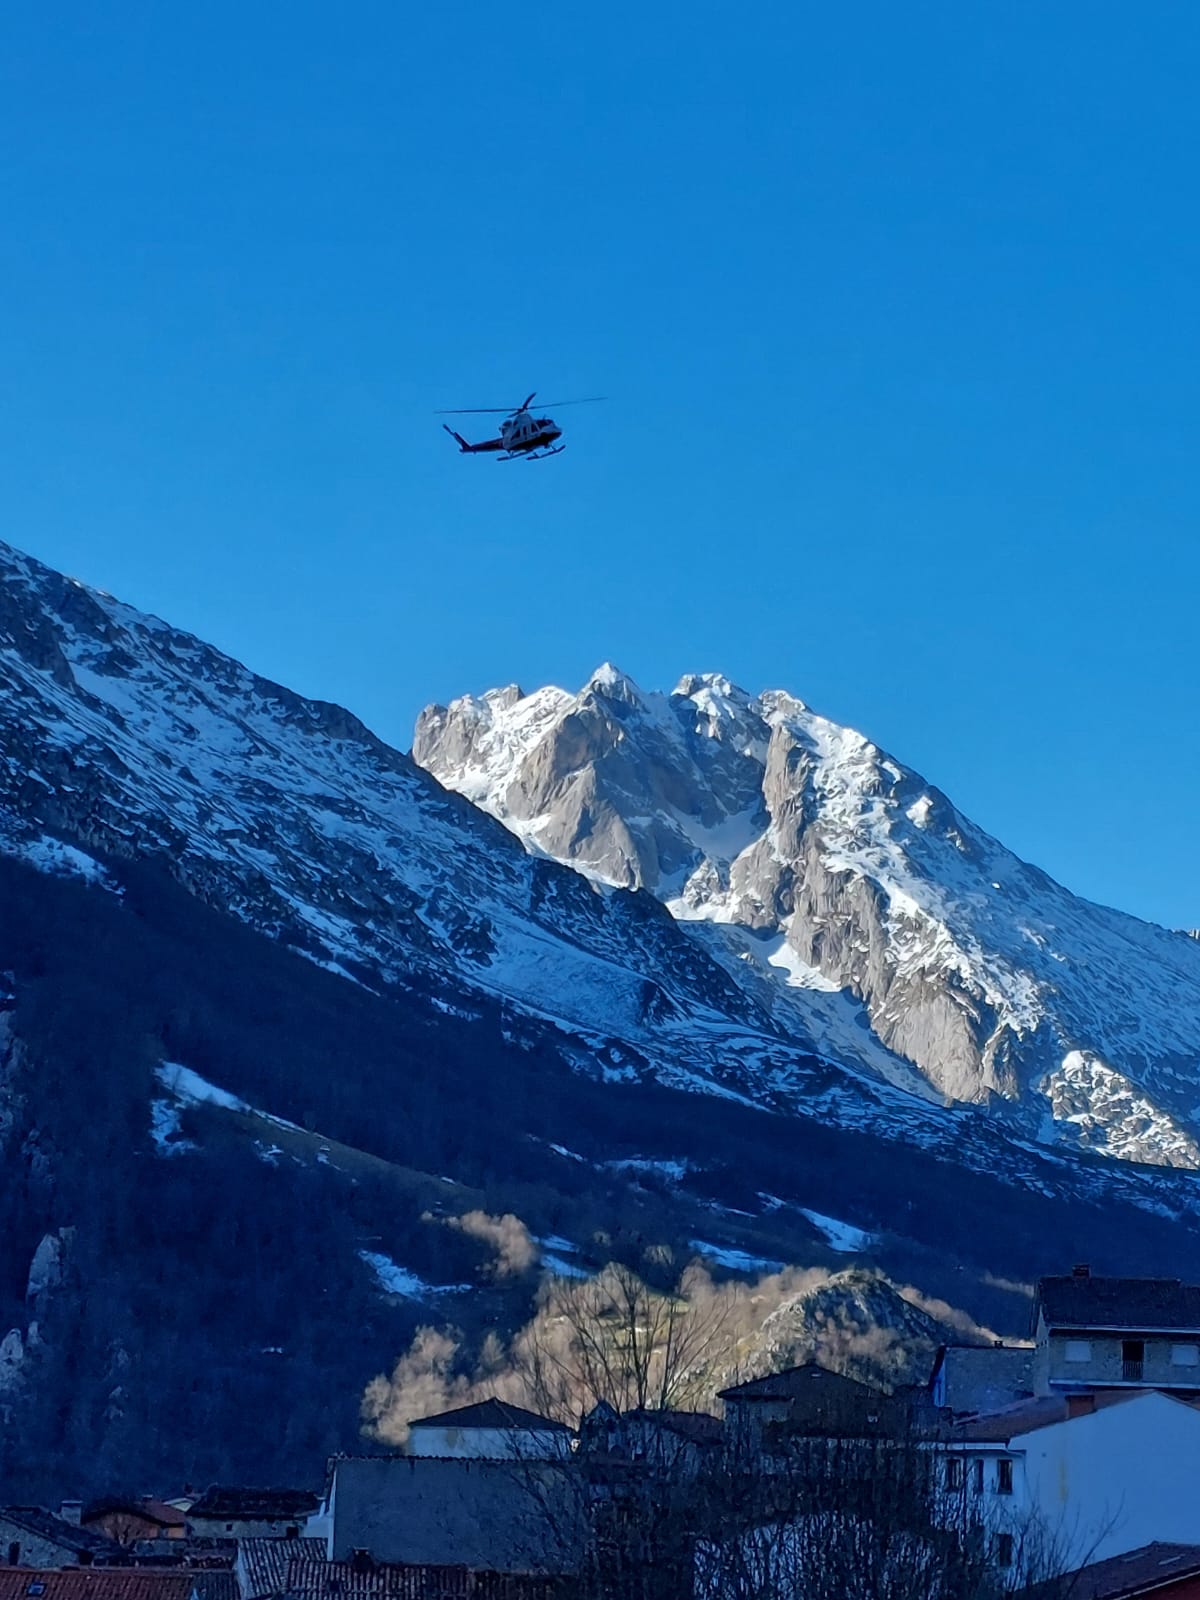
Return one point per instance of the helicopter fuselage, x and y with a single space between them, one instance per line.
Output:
522 436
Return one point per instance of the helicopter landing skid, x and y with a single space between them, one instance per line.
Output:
535 455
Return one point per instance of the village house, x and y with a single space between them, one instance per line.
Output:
766 1416
252 1513
1094 1333
1049 1479
502 1516
490 1430
678 1441
127 1520
971 1378
32 1537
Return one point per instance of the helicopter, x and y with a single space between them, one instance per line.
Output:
523 437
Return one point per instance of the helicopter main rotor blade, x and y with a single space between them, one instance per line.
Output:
477 411
588 400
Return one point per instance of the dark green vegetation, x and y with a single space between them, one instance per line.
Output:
216 1320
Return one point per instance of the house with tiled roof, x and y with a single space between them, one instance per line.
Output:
489 1430
126 1519
768 1416
241 1513
1093 1332
1093 1483
31 1536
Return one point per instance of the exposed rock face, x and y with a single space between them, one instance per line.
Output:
12 1359
816 861
855 1322
48 1267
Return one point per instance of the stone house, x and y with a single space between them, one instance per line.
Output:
252 1513
1097 1333
33 1537
675 1441
764 1416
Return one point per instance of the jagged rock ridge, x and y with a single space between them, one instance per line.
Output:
801 853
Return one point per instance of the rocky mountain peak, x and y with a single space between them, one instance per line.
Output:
821 869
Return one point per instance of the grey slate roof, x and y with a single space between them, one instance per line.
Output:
263 1563
491 1413
1136 1304
442 1510
985 1377
802 1383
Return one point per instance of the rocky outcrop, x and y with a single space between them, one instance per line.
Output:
825 865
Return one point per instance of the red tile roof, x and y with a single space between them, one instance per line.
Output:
1143 1571
94 1583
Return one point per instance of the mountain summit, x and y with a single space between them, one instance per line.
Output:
803 857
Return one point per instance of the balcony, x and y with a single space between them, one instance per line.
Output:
1133 1371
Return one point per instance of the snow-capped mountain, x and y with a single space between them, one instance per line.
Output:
123 739
283 1008
814 866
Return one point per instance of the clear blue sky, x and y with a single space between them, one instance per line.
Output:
897 306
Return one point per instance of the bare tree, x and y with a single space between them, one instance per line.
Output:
616 1339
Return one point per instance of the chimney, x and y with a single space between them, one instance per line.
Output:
362 1561
71 1511
1082 1270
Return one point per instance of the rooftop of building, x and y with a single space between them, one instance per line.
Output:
254 1505
1143 1571
492 1413
1084 1300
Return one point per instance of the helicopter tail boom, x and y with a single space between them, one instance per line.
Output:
472 449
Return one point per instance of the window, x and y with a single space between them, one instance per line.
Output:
1004 1476
1078 1350
977 1474
1133 1357
954 1473
14 1555
293 1532
1185 1355
1004 1549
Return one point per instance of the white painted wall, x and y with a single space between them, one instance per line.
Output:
1103 1484
487 1444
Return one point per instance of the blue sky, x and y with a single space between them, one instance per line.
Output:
896 306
